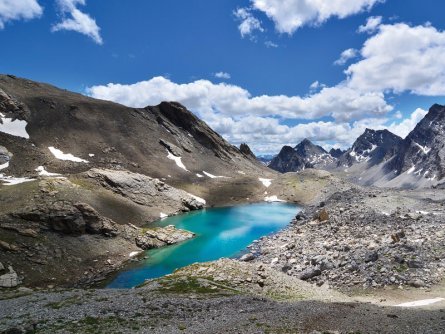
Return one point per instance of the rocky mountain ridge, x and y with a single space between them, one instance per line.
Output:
304 155
381 158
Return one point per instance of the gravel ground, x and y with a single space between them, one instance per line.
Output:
203 310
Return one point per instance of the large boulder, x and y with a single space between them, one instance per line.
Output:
10 279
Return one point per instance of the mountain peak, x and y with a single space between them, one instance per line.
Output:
372 146
245 149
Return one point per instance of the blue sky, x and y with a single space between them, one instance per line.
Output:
172 50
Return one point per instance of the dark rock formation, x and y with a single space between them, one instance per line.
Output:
423 150
336 153
373 146
245 149
304 155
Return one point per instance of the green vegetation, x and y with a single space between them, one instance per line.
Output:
187 285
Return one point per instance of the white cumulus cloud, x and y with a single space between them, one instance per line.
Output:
248 23
289 15
404 127
371 25
12 10
346 56
222 75
204 97
75 20
401 58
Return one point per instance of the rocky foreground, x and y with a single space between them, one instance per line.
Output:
363 238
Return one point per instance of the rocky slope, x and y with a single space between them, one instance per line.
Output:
165 141
363 238
304 155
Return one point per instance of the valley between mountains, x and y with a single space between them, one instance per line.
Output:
82 181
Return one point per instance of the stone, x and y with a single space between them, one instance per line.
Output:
2 267
371 257
415 264
323 215
29 232
8 247
310 273
416 283
9 280
247 257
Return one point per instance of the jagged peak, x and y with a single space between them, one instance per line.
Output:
245 149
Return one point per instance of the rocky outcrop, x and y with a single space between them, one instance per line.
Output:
145 190
9 279
163 236
68 218
5 155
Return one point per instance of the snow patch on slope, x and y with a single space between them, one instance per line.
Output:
177 160
65 156
4 166
273 199
13 127
213 176
11 181
423 302
424 149
43 172
266 182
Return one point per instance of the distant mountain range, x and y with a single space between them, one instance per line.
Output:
304 155
379 157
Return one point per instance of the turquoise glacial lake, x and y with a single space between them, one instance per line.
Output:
220 232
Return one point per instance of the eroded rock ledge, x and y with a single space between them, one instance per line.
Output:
147 191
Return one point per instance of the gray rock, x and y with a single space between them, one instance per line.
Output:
9 280
415 264
247 257
163 236
371 257
8 247
175 150
145 190
416 283
310 273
